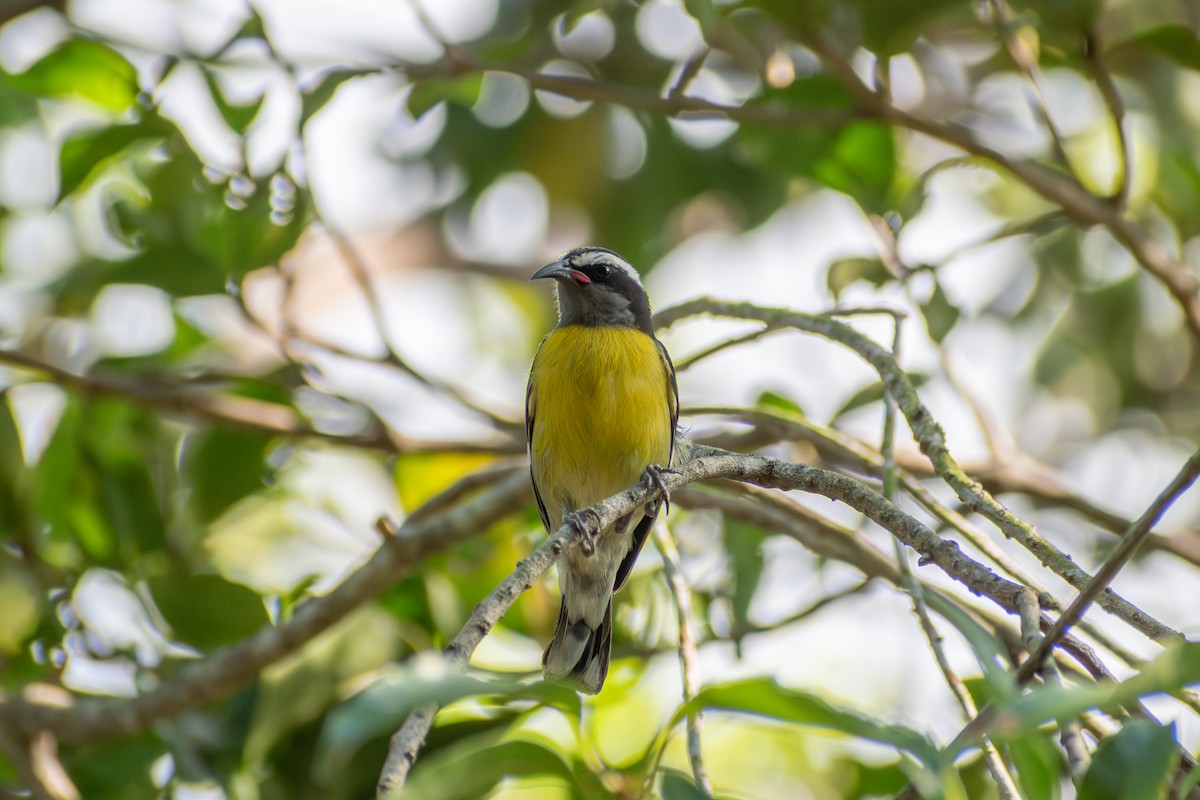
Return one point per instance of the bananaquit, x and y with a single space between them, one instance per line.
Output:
600 412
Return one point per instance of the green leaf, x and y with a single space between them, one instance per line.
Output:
65 491
940 314
237 116
302 688
848 271
779 405
427 93
764 697
1039 766
793 151
253 28
1177 42
84 153
704 12
86 69
891 26
1189 782
744 545
116 769
223 466
862 164
379 709
678 786
474 768
1173 669
1135 764
873 393
315 97
207 611
21 599
193 233
13 473
989 651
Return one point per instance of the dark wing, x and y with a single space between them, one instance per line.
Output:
642 531
672 396
530 415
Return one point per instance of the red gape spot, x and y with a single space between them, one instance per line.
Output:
579 277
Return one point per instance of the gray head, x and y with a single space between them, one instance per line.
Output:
598 287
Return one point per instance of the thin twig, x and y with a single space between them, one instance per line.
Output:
357 266
687 74
692 359
1070 734
234 411
1116 111
688 655
1027 63
1117 559
407 742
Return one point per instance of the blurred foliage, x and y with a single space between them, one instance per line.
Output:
121 489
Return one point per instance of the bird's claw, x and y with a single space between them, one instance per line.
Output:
653 479
587 525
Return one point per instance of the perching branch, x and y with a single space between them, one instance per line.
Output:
700 462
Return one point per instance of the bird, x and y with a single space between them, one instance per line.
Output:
601 409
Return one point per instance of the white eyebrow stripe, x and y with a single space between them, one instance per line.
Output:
587 256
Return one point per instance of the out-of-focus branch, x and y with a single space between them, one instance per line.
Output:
932 441
1026 61
231 667
228 410
359 271
1074 200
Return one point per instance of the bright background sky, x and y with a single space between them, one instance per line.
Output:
868 648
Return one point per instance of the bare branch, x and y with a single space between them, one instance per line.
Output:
1117 559
688 656
1070 734
932 441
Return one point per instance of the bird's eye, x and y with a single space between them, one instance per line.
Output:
602 271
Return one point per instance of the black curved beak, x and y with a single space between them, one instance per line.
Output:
556 270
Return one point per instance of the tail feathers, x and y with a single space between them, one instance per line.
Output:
577 653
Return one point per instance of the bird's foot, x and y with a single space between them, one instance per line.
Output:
587 527
652 477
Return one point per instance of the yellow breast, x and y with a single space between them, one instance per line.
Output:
601 410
